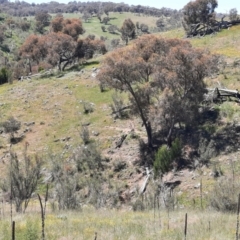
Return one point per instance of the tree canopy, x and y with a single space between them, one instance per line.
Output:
164 79
199 12
61 46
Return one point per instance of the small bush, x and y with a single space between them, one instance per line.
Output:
84 134
88 107
65 182
118 105
224 196
165 157
87 158
4 75
138 205
11 126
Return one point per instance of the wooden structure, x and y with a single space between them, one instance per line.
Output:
221 94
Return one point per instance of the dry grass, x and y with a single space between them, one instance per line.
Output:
125 224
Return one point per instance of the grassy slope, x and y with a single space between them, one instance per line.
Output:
56 101
94 26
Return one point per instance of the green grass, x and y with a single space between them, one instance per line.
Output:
94 26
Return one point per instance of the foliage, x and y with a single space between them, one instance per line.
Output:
164 79
233 14
117 105
87 47
65 178
88 107
112 29
42 20
4 75
165 157
87 158
199 11
72 27
224 196
128 30
2 33
84 134
23 179
32 231
11 126
60 47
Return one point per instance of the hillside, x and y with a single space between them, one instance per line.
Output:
54 109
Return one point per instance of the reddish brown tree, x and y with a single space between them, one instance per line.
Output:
57 23
61 48
33 50
88 46
155 65
72 27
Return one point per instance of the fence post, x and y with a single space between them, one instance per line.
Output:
13 230
185 228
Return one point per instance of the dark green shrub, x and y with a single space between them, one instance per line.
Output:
165 157
4 75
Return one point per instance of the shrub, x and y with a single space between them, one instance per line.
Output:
65 181
22 179
4 75
88 107
87 158
84 134
165 157
224 196
118 105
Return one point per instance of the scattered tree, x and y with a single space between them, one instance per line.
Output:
233 14
42 20
105 20
160 23
57 23
144 28
72 27
86 16
128 30
112 29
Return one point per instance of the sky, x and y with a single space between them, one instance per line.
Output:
223 5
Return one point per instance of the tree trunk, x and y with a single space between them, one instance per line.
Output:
169 136
149 134
146 123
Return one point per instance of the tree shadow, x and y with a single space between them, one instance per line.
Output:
206 139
